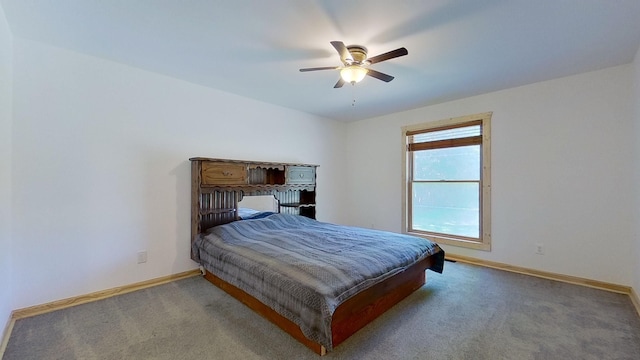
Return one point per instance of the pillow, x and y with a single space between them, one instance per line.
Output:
258 215
246 212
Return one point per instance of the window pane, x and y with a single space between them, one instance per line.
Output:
447 208
457 163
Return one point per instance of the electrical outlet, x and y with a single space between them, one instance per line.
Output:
142 257
539 249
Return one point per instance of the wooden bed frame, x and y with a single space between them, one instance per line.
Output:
350 316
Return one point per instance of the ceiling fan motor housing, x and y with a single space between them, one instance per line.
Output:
358 53
355 64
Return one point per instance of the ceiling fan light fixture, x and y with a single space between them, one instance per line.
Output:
355 63
353 73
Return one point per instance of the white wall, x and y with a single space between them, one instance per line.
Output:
101 170
97 169
6 55
636 165
561 151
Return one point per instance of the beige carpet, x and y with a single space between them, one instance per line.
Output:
466 313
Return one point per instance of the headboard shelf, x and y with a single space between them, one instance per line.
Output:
217 185
216 211
251 164
295 204
255 188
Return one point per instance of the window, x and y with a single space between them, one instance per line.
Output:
447 181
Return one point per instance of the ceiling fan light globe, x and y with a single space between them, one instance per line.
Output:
353 73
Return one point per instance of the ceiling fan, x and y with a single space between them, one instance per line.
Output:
356 64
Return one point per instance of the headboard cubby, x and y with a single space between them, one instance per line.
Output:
217 185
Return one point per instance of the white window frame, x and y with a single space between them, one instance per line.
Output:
484 241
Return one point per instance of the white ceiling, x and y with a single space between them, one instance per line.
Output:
255 48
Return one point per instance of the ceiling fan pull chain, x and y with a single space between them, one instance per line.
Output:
353 95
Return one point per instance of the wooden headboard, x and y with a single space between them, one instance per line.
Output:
217 185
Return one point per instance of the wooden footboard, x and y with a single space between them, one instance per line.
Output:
285 324
350 316
366 306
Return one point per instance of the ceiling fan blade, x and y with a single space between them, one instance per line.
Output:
339 84
320 68
388 55
378 75
345 55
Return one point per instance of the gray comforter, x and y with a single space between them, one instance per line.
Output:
303 269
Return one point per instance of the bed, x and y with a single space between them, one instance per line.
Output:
319 282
